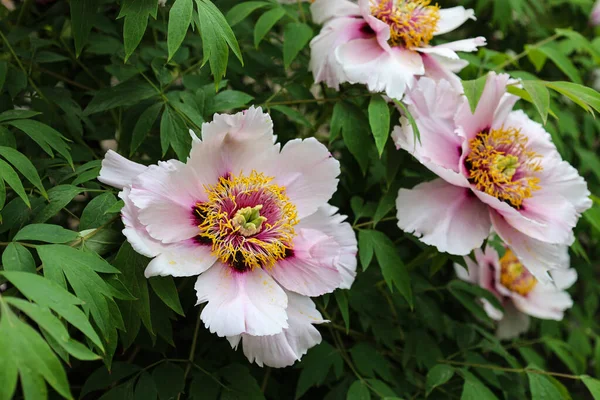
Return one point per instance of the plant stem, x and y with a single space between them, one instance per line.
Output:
527 51
514 370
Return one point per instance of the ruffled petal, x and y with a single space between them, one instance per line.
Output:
324 10
442 68
308 172
452 18
250 302
134 231
443 215
117 171
323 63
326 220
544 304
284 349
537 256
364 61
310 269
182 259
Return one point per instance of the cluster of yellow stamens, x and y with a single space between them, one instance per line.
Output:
500 165
412 22
514 276
248 219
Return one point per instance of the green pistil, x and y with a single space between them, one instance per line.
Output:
248 220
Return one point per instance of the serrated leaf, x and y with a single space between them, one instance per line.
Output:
379 119
180 17
296 35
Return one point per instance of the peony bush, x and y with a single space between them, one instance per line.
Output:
327 199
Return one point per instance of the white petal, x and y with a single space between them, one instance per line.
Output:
285 348
182 259
117 171
134 231
466 45
308 172
452 18
324 10
442 215
513 324
364 61
249 302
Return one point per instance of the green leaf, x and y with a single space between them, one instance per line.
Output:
561 61
227 100
169 380
82 12
24 166
46 233
342 301
539 96
240 11
437 376
17 114
217 37
46 137
136 13
392 267
94 214
370 363
143 126
115 208
48 294
173 132
411 120
473 91
293 114
581 95
8 174
473 389
358 391
180 17
127 93
59 196
3 72
16 257
379 119
266 22
593 386
296 35
477 291
165 288
365 248
354 131
31 355
564 352
542 388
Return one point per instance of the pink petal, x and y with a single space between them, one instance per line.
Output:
442 215
117 171
452 18
364 61
544 304
134 231
323 64
310 270
237 303
308 172
537 256
327 221
324 10
284 349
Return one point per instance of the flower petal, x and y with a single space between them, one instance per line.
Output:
537 256
365 61
182 259
310 270
324 10
308 172
443 215
284 349
513 324
117 171
249 302
452 18
544 304
134 231
466 45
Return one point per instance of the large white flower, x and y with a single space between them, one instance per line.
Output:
252 220
384 44
519 292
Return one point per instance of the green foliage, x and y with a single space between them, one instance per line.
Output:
78 317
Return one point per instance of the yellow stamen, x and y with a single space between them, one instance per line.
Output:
514 276
233 237
412 22
493 162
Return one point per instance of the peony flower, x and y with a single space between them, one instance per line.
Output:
384 44
9 4
252 220
517 289
497 168
595 15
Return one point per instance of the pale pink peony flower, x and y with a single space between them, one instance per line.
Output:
595 15
384 44
252 220
497 168
519 292
10 4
